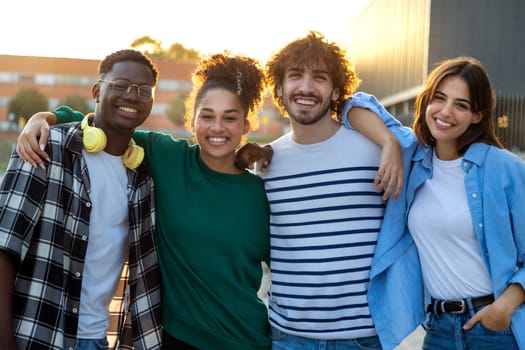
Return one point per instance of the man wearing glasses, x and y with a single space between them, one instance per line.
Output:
73 233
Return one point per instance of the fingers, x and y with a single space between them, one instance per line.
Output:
472 322
389 184
264 166
491 318
30 147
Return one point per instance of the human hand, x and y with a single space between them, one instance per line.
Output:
492 317
390 173
250 153
32 140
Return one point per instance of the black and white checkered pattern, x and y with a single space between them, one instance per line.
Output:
44 222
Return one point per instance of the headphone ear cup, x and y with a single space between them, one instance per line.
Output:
94 139
133 155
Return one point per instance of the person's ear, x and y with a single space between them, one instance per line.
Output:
247 127
335 95
95 92
477 118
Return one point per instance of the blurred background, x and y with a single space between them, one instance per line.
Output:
394 44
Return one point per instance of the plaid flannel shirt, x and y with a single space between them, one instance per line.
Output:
44 222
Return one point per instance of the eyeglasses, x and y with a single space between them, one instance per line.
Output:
122 87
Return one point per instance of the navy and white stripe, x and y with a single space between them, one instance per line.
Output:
325 218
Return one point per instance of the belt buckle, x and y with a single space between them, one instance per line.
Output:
462 304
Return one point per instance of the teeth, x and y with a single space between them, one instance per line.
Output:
128 109
442 123
217 139
305 102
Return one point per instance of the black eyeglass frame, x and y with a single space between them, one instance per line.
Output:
124 87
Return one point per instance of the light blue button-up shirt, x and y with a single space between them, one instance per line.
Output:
495 184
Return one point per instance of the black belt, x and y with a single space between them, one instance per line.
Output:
457 306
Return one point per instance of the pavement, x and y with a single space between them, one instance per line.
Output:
413 341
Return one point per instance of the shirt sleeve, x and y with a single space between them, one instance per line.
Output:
22 192
364 100
66 114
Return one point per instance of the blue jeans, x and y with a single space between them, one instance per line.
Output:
445 332
284 341
92 344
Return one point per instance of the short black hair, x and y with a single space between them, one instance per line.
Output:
128 55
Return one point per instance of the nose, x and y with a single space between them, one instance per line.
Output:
446 109
133 90
217 125
306 83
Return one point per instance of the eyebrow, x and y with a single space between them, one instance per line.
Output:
458 99
231 110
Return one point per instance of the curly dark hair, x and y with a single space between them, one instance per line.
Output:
309 51
127 55
239 74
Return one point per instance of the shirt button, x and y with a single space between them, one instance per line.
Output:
88 204
480 225
77 274
75 310
84 237
474 195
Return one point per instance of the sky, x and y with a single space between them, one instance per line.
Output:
92 29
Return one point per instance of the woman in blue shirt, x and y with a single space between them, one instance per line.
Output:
465 211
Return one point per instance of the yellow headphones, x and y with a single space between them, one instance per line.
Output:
94 140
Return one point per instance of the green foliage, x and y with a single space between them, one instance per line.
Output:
27 102
176 52
7 144
77 103
176 109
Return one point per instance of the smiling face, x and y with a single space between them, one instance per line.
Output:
449 115
219 125
307 94
118 111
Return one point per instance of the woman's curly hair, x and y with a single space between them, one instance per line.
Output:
239 74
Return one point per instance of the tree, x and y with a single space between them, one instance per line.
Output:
176 109
77 103
153 48
149 46
27 102
178 52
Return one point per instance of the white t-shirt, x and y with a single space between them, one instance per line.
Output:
441 224
108 242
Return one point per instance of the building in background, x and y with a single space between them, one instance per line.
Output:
58 78
396 43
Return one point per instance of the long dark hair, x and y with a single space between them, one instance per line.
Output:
482 102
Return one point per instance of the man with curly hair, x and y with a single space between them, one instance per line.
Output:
332 235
